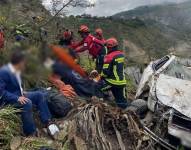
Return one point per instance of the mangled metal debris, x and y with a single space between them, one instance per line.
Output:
165 85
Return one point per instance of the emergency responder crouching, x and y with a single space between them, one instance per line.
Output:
113 77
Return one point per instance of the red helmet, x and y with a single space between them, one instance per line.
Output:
112 42
99 32
67 34
84 29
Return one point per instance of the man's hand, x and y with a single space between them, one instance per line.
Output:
22 100
94 74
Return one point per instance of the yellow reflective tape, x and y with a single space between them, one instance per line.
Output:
106 88
106 50
120 60
115 73
105 66
124 92
18 32
122 82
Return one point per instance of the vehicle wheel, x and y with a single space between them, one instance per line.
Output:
140 107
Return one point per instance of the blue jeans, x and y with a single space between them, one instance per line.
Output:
37 99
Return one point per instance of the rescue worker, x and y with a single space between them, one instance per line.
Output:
93 45
113 77
21 32
99 34
2 38
66 41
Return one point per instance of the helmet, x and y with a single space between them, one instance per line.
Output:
99 32
112 42
67 34
83 29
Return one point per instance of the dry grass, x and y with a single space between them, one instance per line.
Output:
10 125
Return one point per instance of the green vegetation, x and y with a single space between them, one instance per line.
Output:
34 143
10 126
10 132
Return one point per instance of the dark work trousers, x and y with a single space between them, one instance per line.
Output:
119 92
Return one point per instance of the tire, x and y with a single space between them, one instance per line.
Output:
140 107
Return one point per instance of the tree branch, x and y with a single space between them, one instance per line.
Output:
60 10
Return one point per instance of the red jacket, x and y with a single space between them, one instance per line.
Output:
92 44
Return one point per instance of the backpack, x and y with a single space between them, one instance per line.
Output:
58 105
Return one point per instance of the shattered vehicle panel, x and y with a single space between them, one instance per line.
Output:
144 80
175 67
174 93
168 83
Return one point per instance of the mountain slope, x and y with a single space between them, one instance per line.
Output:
177 16
141 39
173 20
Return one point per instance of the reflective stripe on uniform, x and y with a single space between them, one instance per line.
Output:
115 73
106 50
122 82
119 60
18 32
124 92
105 66
106 88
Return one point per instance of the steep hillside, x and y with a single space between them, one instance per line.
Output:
142 39
177 16
147 38
21 11
173 20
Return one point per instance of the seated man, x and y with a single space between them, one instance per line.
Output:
11 93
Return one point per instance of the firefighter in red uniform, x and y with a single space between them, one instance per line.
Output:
66 41
113 77
99 35
95 47
2 39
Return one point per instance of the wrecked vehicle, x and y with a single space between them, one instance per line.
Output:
165 85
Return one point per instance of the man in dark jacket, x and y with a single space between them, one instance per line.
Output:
11 93
83 87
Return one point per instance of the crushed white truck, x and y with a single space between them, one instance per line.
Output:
166 86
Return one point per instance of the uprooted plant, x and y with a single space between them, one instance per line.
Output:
97 126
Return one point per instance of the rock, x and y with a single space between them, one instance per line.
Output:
15 143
